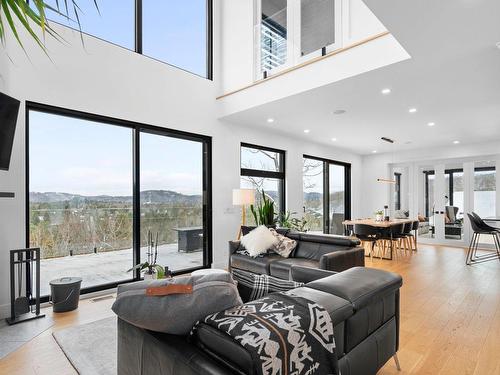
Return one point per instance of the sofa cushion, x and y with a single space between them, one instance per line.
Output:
281 267
258 265
175 313
359 285
258 241
338 308
314 250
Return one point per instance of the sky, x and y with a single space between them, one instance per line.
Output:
174 31
83 157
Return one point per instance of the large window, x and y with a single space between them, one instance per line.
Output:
454 191
288 33
92 203
485 191
326 189
176 32
263 169
397 191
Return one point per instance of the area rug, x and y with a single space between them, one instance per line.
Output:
13 337
91 348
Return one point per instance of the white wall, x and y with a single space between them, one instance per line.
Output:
375 195
111 81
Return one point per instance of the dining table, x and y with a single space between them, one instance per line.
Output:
382 224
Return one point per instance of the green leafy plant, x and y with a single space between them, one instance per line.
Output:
286 220
150 266
33 18
263 213
380 212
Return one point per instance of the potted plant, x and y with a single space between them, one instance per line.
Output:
263 213
379 215
150 268
286 220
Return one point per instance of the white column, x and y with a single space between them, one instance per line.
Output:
497 166
468 180
439 202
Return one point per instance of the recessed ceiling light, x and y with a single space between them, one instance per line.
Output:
456 142
386 91
306 131
270 120
374 151
334 139
339 111
431 124
412 110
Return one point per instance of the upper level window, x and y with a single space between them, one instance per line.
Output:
112 23
273 34
289 32
176 32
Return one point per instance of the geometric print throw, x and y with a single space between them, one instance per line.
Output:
284 334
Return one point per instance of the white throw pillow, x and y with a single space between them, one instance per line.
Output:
258 241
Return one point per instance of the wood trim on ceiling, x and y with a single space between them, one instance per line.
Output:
306 63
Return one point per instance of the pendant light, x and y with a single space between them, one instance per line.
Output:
387 180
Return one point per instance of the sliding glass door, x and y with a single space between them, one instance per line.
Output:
99 190
326 189
171 199
337 197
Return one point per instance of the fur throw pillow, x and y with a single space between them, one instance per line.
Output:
258 241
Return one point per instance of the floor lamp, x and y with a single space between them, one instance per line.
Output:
243 197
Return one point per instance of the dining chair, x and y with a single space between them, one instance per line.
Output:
367 233
479 227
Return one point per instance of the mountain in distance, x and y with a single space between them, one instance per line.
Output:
147 196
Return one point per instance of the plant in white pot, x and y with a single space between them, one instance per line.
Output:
379 215
150 268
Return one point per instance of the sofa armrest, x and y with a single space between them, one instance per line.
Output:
234 246
342 260
304 274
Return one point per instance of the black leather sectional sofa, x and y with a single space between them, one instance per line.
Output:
362 302
327 252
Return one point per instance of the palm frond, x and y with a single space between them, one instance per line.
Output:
34 18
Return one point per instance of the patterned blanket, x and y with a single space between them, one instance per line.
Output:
283 334
261 285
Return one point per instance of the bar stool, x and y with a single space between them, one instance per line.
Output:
367 233
480 227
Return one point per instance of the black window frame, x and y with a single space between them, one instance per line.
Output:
397 191
450 173
138 23
326 189
278 175
137 128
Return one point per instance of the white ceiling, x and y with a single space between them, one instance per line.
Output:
453 79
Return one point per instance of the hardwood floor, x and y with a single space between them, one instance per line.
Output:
450 319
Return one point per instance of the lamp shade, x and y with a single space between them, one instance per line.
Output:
243 197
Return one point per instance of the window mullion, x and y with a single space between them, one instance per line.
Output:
138 26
